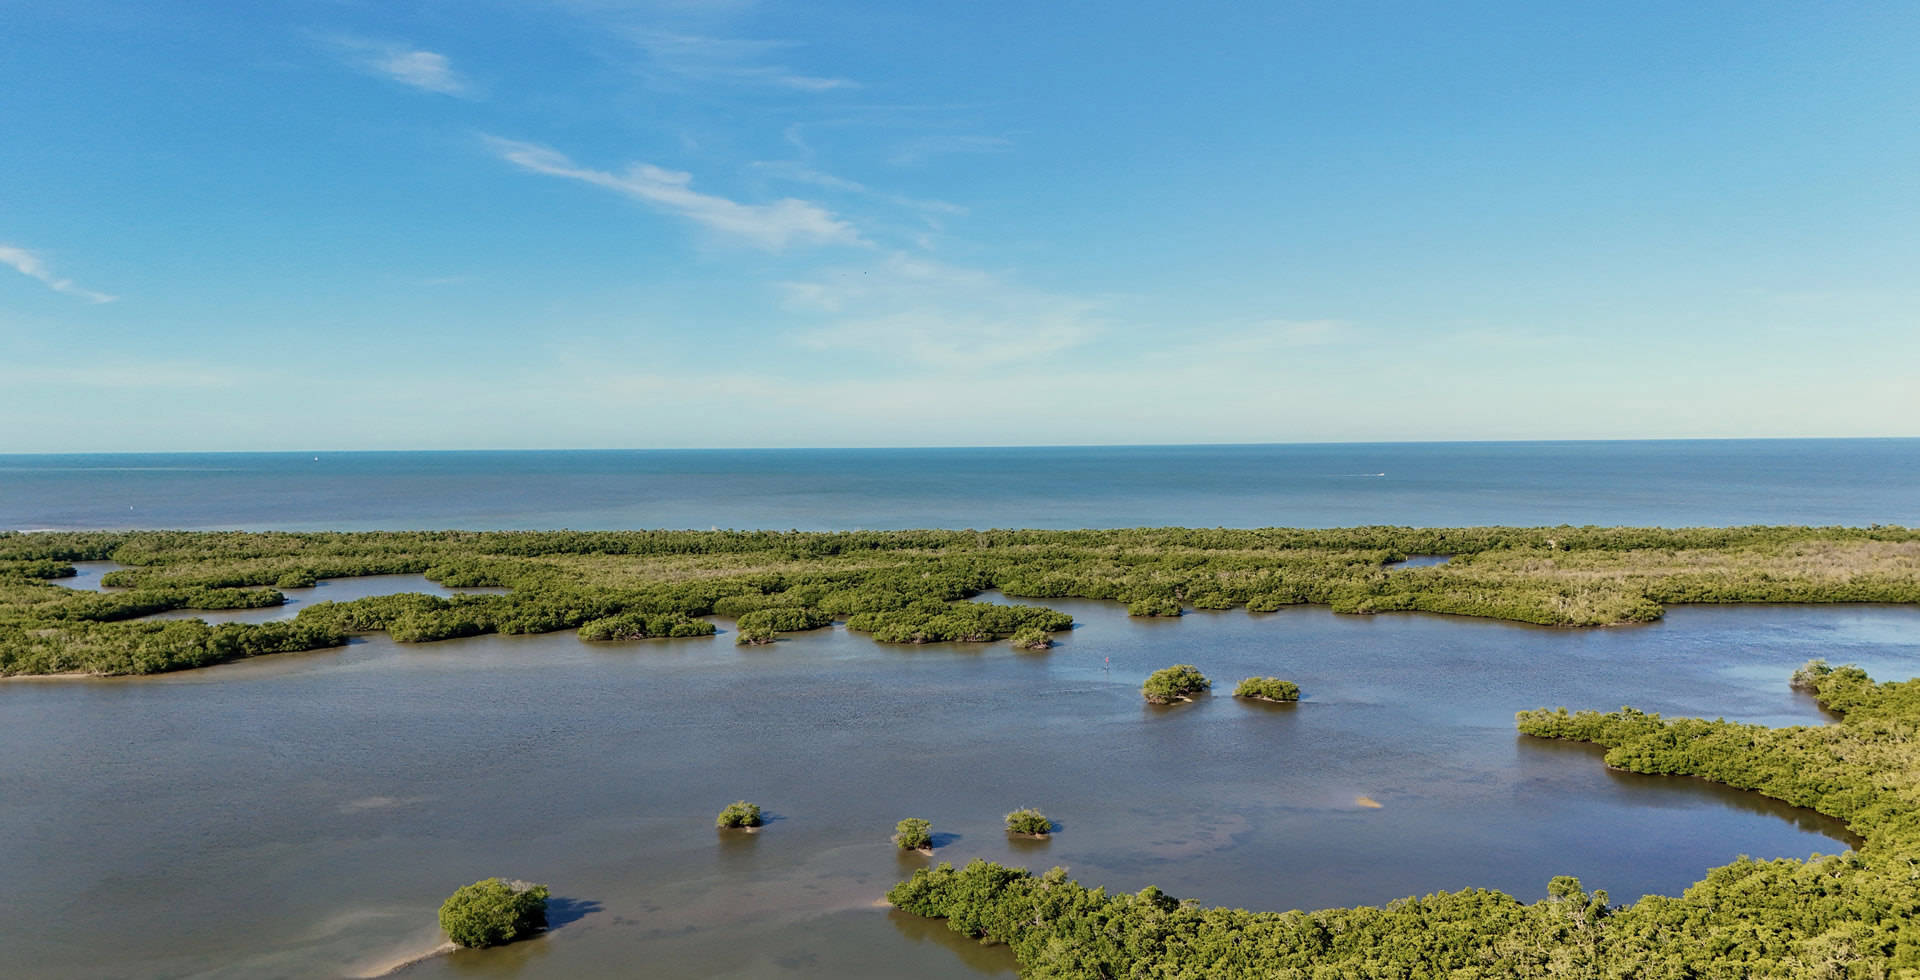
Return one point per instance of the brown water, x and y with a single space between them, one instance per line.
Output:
303 815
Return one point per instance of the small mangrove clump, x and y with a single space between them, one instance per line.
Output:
942 621
1179 682
643 626
1267 689
493 912
1156 605
1031 638
753 635
788 620
1029 822
741 814
1808 677
913 834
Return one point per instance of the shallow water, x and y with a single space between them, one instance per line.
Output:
326 590
87 574
303 815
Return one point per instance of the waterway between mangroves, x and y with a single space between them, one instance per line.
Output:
303 815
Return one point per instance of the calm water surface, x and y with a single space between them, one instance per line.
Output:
1674 484
303 815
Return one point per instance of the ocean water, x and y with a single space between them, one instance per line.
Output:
1666 483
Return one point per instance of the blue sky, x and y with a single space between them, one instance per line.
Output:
591 223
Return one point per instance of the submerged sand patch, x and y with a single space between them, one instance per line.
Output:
385 967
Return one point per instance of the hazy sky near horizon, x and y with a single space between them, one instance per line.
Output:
333 224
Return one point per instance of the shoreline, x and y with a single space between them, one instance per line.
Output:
389 967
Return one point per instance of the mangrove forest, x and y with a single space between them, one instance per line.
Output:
904 587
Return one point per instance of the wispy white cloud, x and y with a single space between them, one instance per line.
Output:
944 144
940 315
895 278
28 264
800 173
808 83
731 60
428 71
772 226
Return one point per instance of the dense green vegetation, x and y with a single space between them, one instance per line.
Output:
154 647
935 621
642 626
1267 689
1160 605
1030 822
754 636
1179 682
912 586
1031 638
741 814
913 834
787 619
492 912
37 568
1844 916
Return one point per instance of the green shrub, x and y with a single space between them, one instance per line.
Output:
743 603
1030 822
151 647
788 620
1270 602
41 568
493 912
1031 638
938 621
752 635
741 814
1808 677
641 626
912 834
1154 606
1179 682
1267 689
233 599
122 578
473 574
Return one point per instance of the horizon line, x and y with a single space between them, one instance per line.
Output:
923 448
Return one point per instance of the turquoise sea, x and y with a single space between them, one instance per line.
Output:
1670 483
